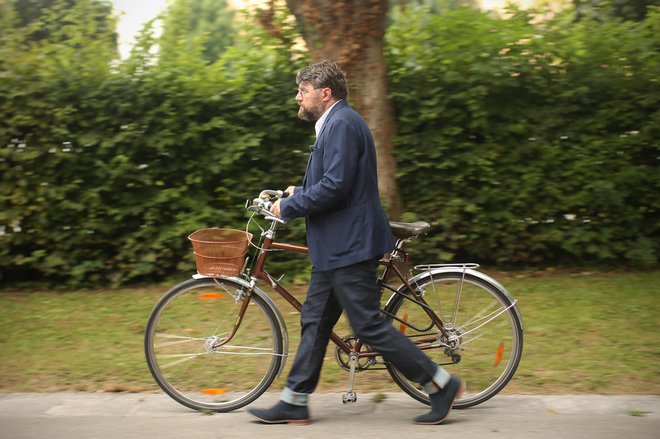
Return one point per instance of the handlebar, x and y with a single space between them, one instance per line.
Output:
267 194
264 202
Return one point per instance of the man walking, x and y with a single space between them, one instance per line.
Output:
347 233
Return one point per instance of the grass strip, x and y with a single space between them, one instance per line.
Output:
584 333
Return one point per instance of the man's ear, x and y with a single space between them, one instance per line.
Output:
326 94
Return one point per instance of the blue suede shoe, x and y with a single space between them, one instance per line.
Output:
282 413
442 402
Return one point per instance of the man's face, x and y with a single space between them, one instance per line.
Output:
309 100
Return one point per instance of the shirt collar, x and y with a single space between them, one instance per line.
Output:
319 123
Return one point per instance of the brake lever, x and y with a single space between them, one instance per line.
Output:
274 218
262 205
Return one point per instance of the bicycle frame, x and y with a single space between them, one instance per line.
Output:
257 271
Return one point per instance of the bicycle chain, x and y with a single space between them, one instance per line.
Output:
349 339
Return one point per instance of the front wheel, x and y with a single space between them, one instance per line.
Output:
484 339
186 351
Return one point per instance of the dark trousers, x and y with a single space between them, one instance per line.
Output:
354 289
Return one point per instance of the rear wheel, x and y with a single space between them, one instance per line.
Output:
484 333
185 350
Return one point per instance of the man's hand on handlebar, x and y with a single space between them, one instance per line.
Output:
268 203
275 208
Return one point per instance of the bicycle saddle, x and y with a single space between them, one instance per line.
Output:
408 230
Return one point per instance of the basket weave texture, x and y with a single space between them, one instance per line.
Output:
220 252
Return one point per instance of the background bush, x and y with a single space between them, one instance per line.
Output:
107 166
530 144
524 144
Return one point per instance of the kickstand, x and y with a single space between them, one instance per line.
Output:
350 397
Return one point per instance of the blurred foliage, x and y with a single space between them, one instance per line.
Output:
47 17
211 20
432 6
608 9
107 166
529 143
525 142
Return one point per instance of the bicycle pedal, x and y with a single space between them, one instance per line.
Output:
349 398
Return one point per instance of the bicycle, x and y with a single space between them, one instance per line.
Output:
216 342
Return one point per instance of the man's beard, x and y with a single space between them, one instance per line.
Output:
311 114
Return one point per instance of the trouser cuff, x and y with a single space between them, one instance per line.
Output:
439 380
294 398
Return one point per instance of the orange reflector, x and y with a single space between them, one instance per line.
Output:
500 353
211 296
219 391
402 325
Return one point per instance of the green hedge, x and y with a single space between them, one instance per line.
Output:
530 144
107 167
523 144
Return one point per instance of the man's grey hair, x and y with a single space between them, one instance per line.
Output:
325 74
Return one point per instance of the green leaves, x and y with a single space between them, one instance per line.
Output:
529 143
107 166
523 142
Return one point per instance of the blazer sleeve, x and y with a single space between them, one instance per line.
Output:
339 162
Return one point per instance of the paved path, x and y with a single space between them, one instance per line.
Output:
127 416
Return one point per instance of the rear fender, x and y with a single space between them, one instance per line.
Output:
427 275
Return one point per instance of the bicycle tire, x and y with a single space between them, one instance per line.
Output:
184 325
489 354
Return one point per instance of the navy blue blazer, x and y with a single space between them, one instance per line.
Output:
346 223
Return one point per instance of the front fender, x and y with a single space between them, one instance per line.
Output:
259 292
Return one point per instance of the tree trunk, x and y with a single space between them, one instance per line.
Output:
352 34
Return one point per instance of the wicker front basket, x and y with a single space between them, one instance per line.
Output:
220 252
